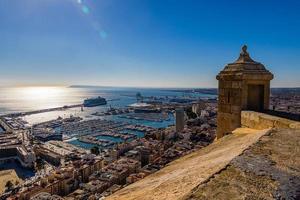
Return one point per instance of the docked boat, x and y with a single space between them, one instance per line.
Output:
91 102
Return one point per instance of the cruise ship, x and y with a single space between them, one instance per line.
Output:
98 101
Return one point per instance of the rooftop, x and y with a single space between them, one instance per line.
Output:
245 65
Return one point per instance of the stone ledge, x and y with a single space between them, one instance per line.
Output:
269 169
261 121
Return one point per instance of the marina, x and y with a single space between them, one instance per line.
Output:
99 132
99 122
104 133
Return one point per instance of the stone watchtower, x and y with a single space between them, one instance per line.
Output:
243 85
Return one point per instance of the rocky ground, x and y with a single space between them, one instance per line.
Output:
269 169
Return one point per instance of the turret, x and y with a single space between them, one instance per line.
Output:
243 85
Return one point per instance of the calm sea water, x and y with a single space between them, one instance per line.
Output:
20 99
17 99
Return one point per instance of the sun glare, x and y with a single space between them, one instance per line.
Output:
41 93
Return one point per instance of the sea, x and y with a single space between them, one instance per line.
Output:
22 99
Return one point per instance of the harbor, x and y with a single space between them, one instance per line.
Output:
61 108
103 133
100 122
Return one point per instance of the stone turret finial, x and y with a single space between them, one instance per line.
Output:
244 49
244 56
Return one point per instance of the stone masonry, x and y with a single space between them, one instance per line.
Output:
243 85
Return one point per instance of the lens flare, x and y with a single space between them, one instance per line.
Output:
103 34
85 9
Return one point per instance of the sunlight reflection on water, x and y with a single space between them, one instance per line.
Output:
20 99
34 98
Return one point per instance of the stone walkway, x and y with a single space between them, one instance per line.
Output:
269 169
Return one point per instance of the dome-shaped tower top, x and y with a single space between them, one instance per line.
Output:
245 64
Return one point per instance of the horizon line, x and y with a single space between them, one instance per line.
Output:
111 86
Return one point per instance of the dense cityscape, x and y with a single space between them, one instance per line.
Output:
117 153
149 100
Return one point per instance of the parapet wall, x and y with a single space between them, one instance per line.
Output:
256 120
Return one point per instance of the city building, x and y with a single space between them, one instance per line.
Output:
145 156
179 118
46 196
63 180
198 106
12 148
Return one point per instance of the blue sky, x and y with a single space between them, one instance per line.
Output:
149 43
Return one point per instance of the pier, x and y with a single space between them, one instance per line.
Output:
21 114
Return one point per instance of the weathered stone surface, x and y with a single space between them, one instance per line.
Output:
243 85
270 169
257 120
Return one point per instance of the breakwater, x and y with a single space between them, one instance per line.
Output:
20 114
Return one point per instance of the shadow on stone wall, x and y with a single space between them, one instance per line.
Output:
291 116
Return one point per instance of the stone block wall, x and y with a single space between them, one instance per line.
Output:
256 120
229 106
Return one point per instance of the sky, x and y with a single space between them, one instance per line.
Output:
144 43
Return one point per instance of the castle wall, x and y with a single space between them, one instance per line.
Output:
229 106
256 120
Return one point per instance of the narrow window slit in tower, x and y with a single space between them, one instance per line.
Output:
228 97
